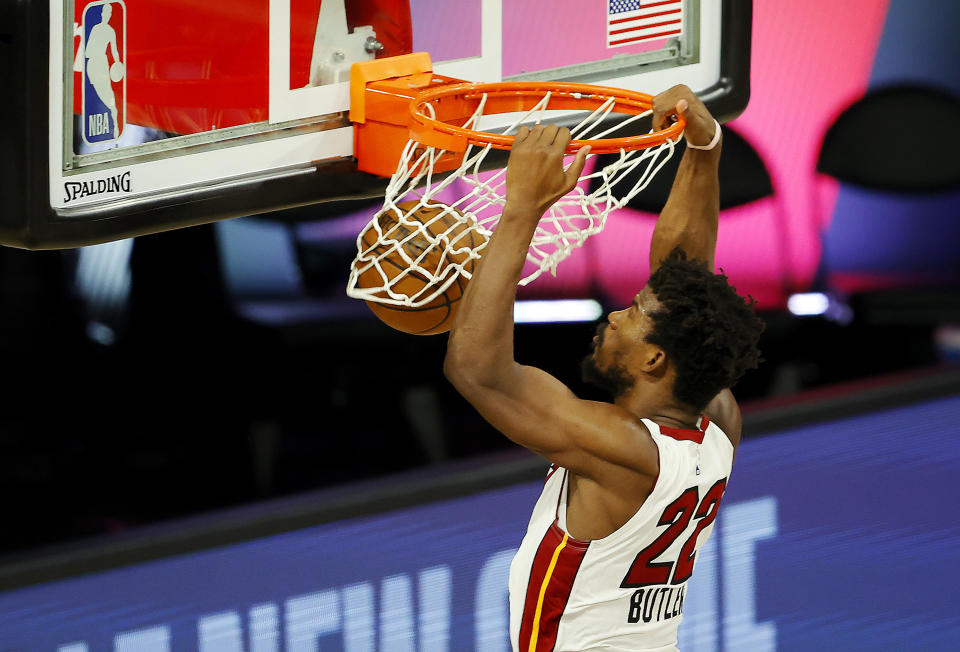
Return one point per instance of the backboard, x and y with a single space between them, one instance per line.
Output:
136 117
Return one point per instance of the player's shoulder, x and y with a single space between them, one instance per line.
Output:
724 411
616 414
629 426
621 436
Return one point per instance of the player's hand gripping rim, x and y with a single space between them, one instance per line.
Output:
536 178
702 130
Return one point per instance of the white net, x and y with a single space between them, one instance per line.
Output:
432 228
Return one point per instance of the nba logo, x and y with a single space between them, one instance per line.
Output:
103 62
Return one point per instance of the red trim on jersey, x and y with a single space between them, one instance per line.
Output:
558 587
553 468
541 561
683 434
687 434
563 483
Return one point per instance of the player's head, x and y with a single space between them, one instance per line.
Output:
686 319
107 12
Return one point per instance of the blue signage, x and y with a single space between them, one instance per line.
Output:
841 536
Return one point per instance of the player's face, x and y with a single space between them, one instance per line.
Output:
620 346
107 12
626 329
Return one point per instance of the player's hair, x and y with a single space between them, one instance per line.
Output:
707 329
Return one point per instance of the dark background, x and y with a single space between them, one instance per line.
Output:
219 365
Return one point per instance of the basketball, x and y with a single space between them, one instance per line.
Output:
437 315
116 71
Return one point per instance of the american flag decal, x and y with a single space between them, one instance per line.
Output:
633 21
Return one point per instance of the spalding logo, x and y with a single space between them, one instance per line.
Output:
74 190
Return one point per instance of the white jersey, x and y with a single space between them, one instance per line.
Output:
624 591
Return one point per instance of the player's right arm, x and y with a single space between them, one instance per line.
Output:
689 218
528 405
540 413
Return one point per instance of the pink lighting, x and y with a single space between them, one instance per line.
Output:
810 60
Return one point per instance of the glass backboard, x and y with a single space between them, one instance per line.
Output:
157 114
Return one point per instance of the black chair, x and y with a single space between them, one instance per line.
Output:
899 139
897 150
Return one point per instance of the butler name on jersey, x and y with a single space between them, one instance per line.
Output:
624 591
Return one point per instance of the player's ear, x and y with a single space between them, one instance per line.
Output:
655 361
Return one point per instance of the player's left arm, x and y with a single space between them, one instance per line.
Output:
689 218
526 404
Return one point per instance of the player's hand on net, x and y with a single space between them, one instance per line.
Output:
535 174
680 100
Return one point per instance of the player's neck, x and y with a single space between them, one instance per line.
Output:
652 402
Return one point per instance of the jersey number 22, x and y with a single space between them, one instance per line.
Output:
677 515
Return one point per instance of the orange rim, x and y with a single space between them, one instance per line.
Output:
507 97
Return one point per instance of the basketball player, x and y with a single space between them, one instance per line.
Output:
635 485
102 36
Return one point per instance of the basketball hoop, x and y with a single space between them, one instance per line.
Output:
432 109
441 166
